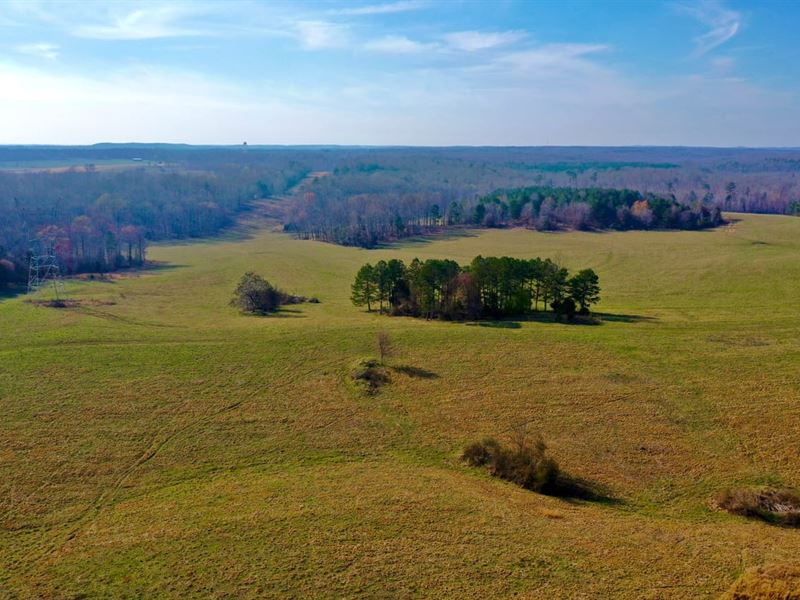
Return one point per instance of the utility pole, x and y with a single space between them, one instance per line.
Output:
43 270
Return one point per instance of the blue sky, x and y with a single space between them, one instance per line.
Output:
415 72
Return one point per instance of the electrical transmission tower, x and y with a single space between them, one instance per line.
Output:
44 271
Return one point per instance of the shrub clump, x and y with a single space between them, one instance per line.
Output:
774 582
524 461
778 506
256 295
369 375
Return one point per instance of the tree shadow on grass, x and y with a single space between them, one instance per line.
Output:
11 292
496 324
150 267
158 265
614 318
550 317
287 313
593 319
416 372
538 317
572 489
281 313
426 239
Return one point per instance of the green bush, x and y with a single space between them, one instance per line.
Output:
524 461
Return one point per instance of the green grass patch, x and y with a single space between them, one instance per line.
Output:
156 442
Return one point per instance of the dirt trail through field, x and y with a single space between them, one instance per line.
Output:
301 185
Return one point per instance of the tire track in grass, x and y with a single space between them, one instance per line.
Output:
108 496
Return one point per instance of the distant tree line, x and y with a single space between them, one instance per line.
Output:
369 196
102 220
367 220
488 287
548 208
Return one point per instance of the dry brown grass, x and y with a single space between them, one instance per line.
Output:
778 506
165 446
774 582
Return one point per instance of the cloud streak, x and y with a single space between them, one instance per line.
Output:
317 35
723 24
300 73
398 44
39 50
472 41
380 9
559 59
147 22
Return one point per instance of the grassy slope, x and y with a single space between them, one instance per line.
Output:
166 445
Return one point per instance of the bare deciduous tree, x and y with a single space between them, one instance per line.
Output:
386 348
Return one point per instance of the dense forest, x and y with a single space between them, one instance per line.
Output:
99 206
488 287
366 221
99 219
547 208
389 194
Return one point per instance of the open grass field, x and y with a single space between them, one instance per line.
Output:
156 443
78 165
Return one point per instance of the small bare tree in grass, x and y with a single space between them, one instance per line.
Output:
386 347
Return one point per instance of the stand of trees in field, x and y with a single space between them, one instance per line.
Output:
488 287
100 220
256 295
366 220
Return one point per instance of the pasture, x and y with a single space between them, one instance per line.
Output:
156 443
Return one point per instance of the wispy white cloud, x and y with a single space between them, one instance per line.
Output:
39 50
398 44
560 58
444 87
560 94
380 9
471 41
459 41
723 23
316 35
147 22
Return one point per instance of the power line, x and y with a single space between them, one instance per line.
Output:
43 269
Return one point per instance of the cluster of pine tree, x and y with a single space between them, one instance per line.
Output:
488 287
